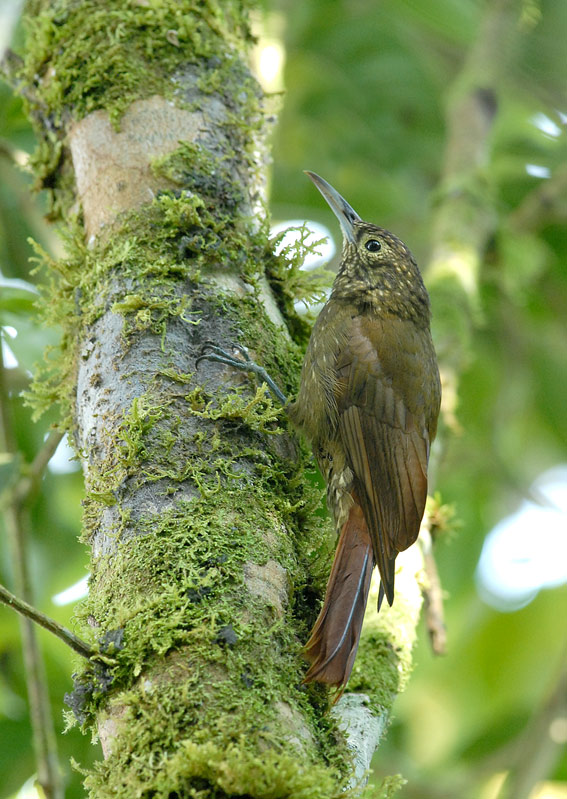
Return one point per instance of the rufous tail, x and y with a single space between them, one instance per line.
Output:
334 639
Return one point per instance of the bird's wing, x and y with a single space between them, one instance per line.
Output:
382 404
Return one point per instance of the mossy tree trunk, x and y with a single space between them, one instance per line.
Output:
207 556
197 512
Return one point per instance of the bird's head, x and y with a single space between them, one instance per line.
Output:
375 264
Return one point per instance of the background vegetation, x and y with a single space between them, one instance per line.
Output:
366 91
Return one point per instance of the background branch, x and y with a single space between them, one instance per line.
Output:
33 473
16 523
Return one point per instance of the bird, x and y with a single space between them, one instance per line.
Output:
368 402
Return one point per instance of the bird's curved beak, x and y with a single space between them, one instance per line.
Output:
346 215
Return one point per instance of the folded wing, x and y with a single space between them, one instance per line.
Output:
386 437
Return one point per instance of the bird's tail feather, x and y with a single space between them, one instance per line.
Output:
334 639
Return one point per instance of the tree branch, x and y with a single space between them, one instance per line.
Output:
65 635
432 593
464 217
28 482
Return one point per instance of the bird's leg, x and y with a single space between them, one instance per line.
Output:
245 364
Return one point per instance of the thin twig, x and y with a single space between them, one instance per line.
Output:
65 635
28 482
432 594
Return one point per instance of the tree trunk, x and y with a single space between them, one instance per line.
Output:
198 512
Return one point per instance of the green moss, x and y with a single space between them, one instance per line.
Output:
443 518
121 40
135 50
257 413
176 555
185 234
208 770
152 253
390 787
198 171
378 670
384 659
185 585
290 283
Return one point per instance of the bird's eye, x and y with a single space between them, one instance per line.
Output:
373 245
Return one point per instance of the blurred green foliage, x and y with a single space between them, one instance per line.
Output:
366 88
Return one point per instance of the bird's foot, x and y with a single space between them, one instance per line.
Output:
211 352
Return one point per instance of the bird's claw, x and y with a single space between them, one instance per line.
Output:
222 356
245 364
